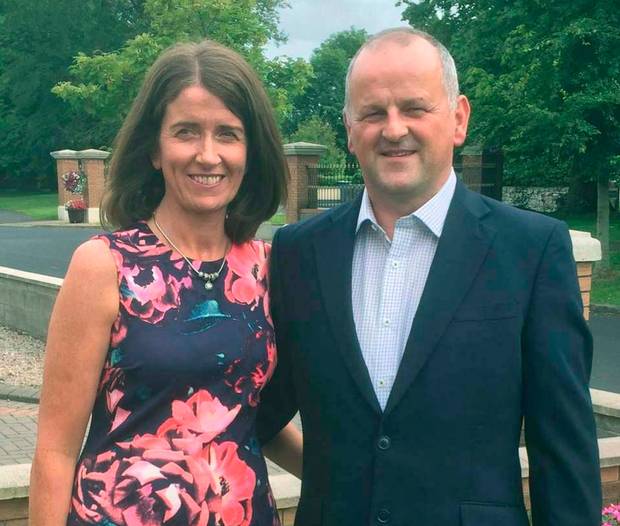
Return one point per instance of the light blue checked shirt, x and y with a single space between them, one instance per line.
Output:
388 280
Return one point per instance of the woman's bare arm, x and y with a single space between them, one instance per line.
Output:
77 344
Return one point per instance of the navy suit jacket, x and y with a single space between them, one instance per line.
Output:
498 339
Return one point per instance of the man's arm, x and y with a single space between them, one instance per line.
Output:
278 402
559 423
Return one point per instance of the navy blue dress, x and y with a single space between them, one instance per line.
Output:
172 437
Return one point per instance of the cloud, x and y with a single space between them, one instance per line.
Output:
310 22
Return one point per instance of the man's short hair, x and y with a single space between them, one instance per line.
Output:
404 35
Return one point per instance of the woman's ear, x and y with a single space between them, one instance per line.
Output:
155 160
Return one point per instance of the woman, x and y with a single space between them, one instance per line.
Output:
162 330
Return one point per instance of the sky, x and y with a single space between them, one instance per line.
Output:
309 22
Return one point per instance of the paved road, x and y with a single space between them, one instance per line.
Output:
41 249
47 250
8 216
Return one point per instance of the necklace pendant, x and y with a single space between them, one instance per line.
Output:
208 285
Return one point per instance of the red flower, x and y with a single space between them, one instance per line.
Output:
245 280
150 297
197 421
232 499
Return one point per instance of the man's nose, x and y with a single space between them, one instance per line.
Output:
208 152
395 127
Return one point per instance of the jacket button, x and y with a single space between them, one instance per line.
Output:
384 443
384 516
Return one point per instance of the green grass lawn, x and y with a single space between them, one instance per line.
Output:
605 285
39 206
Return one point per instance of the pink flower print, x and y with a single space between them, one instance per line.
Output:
232 502
151 300
261 374
197 421
245 280
136 241
118 333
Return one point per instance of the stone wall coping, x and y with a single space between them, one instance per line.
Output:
605 402
304 148
80 154
31 277
609 454
286 489
14 481
585 247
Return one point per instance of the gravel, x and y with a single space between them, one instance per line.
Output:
21 359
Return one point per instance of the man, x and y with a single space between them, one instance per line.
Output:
420 325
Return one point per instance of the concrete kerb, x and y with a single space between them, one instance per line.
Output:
16 393
14 481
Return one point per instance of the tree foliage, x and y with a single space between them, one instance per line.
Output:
37 42
104 84
317 131
543 79
324 96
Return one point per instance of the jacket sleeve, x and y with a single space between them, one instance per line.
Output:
560 431
278 402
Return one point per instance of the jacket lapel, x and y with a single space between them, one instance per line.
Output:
463 245
334 259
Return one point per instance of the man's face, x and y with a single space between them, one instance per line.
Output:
400 124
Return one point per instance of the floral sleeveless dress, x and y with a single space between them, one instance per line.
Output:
172 437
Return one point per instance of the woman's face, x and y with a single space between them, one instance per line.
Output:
202 153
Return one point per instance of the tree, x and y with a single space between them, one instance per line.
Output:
37 42
324 96
317 131
544 81
103 85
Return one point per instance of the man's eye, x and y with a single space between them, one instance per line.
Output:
414 110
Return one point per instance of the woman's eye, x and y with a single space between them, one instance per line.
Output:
230 135
184 132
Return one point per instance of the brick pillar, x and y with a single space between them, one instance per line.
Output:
299 155
472 167
93 164
586 250
66 161
482 171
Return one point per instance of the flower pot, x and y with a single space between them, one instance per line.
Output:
76 215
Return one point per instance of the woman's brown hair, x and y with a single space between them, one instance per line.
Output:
134 188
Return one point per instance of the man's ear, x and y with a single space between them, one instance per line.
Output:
461 115
347 126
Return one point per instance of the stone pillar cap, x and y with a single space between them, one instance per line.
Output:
304 148
65 154
82 154
93 154
585 247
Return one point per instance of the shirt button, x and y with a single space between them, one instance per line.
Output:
395 264
384 443
384 516
386 322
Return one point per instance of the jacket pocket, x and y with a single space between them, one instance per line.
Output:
482 514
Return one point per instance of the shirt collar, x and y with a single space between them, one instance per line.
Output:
432 213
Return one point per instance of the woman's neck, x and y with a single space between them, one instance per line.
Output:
197 236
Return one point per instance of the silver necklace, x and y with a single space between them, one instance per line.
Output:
208 277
